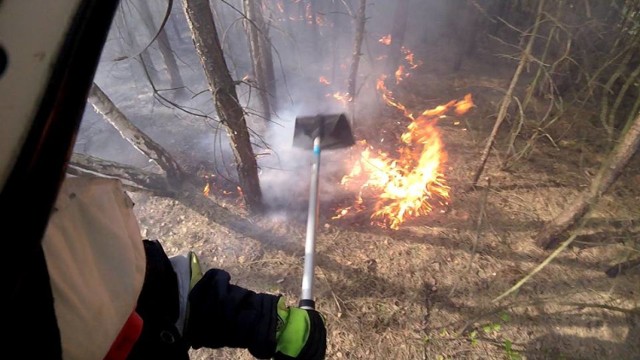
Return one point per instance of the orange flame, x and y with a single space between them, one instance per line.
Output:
401 74
403 185
464 105
206 190
323 80
240 200
409 182
387 96
410 57
342 97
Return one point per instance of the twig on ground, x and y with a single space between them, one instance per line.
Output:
541 266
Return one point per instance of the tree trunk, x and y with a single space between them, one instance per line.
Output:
357 49
228 39
104 106
551 234
336 31
175 79
506 100
260 54
82 164
207 43
398 31
267 54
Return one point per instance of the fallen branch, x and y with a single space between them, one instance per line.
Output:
131 176
537 269
609 171
85 164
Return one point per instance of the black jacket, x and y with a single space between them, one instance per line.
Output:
219 314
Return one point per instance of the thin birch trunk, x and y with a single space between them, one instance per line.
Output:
357 53
154 151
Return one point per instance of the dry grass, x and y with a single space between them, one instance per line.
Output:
425 291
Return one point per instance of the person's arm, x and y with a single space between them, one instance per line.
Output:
182 308
225 315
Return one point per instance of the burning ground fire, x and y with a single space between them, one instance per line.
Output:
395 186
221 188
406 184
409 182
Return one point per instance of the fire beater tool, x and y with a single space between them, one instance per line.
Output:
317 132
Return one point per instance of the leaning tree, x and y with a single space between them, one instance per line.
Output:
174 179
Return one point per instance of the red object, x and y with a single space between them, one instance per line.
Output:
127 337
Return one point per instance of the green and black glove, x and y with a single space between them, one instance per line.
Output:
301 334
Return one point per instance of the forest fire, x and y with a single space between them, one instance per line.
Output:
221 188
405 184
409 181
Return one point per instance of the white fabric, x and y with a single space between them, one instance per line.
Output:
96 263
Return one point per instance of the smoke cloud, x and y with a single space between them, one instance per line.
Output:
312 51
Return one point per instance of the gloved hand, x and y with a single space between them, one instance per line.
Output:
301 334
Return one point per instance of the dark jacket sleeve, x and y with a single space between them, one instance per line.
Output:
226 315
158 306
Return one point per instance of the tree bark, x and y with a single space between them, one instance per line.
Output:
207 43
175 79
260 50
357 53
228 40
506 100
130 175
551 234
104 106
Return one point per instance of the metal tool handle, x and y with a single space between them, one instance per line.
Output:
306 299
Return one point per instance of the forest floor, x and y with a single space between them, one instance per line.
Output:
425 291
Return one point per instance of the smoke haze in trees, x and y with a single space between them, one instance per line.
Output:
311 43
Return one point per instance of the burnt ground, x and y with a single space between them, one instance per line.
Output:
425 291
